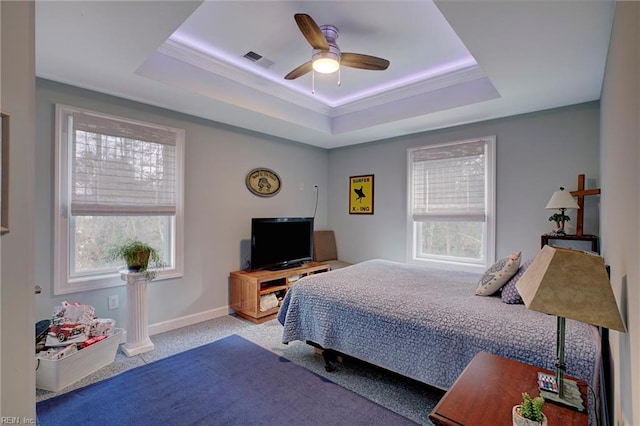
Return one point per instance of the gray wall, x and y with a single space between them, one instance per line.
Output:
539 159
620 165
17 95
218 206
535 154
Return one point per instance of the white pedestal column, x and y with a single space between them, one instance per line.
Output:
138 340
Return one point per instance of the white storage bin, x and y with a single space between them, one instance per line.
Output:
53 375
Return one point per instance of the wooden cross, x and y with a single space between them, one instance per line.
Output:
581 193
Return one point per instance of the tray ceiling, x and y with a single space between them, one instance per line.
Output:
452 62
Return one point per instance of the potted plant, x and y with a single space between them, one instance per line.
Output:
139 257
529 412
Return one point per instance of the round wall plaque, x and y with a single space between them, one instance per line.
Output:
263 182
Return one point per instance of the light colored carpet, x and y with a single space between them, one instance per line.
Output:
409 398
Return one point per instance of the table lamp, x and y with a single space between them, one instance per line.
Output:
569 284
561 200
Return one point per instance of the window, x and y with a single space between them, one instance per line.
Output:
451 204
116 179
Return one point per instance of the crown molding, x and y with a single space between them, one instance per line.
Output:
360 102
246 77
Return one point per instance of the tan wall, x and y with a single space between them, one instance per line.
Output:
17 90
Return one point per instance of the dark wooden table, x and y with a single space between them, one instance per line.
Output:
490 386
584 242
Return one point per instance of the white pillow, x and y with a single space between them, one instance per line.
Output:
498 275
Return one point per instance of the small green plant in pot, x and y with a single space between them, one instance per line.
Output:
139 257
529 412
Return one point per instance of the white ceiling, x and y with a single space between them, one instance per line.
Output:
452 62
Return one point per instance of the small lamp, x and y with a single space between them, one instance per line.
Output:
569 284
561 200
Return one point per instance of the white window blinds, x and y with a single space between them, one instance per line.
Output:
121 167
449 182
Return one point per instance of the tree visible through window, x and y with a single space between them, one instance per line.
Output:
94 234
119 179
452 239
451 202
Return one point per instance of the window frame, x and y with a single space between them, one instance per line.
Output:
488 248
63 282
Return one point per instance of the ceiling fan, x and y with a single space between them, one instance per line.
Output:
326 57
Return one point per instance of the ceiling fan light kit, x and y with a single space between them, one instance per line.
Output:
326 62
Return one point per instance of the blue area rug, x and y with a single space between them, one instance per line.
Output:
230 381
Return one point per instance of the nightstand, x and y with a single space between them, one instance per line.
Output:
490 386
584 242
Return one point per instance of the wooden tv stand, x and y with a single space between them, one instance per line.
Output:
247 286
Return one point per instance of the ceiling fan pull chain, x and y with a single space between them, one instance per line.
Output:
339 77
313 82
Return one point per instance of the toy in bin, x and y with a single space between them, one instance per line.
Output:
66 330
71 323
57 353
42 328
102 327
92 340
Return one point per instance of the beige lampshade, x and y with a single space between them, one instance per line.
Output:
562 199
571 284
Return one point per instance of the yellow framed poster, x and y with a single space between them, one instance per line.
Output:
361 194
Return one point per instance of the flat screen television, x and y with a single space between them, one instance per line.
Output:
281 242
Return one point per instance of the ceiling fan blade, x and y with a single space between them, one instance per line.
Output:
365 62
311 31
299 71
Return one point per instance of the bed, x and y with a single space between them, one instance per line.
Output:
426 323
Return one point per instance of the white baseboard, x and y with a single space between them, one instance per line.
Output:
173 324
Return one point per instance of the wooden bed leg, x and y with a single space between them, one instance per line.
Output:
329 356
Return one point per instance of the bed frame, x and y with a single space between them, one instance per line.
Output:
425 323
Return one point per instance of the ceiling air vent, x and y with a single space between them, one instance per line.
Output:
258 59
252 56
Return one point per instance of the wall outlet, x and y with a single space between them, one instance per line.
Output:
113 302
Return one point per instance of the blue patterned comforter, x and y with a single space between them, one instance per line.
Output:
425 323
